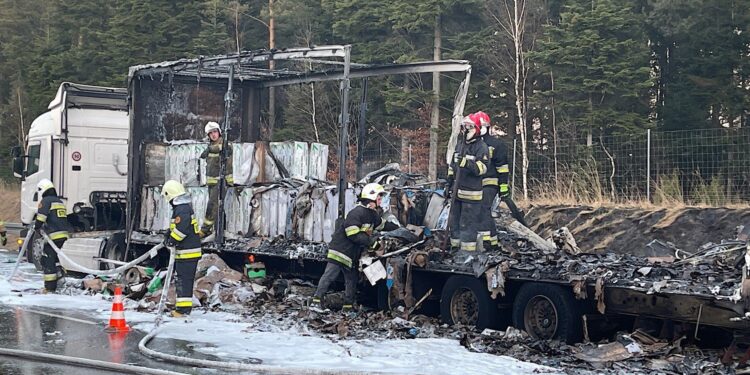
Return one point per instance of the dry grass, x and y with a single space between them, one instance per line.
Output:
582 185
10 202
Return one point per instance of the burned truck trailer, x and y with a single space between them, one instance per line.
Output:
533 284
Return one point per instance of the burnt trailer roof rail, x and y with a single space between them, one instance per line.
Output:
156 112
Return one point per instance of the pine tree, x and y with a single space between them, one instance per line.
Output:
600 59
213 38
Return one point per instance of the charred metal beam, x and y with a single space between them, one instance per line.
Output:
243 58
361 133
228 99
344 132
378 70
333 62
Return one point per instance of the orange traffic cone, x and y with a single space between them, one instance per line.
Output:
117 319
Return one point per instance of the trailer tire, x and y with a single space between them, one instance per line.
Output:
548 312
114 249
466 300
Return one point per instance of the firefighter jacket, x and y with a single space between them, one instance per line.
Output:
3 234
212 154
497 170
53 217
183 229
353 235
472 158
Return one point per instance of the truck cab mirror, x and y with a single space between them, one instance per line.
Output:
16 151
18 161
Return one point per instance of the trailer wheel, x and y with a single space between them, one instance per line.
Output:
465 300
35 250
114 249
548 312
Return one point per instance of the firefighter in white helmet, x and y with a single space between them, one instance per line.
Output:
183 236
52 217
213 154
349 239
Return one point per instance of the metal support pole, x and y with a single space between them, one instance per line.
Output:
344 136
220 220
648 165
513 173
410 158
362 131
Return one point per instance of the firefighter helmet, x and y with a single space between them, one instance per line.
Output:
484 121
211 126
172 189
44 185
470 127
372 191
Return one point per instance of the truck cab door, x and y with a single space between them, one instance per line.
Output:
38 166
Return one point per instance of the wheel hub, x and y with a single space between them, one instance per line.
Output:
540 318
464 307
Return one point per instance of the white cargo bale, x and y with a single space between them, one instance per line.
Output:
318 214
243 156
300 161
283 152
318 165
237 210
199 197
183 164
332 209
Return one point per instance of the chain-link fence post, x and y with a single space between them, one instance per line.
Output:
648 165
513 177
410 158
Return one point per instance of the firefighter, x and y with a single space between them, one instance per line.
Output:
183 235
472 157
52 217
495 182
348 241
212 154
3 234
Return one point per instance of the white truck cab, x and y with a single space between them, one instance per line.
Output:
81 145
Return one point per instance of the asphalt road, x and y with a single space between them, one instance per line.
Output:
37 330
71 332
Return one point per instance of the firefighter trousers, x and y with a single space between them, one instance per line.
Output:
184 279
212 208
465 224
489 228
50 264
329 276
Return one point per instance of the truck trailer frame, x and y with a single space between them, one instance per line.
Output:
545 305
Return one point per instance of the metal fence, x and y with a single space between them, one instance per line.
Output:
710 166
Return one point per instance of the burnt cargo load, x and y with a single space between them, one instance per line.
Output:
550 288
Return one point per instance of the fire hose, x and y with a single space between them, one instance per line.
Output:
251 364
21 253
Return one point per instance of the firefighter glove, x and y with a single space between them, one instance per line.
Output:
374 243
170 242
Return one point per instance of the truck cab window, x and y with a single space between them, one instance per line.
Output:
32 163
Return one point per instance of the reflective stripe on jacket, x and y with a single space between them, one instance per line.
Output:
353 235
474 167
